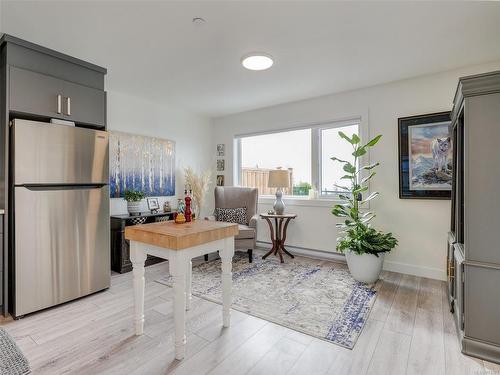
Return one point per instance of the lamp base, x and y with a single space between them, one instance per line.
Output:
279 206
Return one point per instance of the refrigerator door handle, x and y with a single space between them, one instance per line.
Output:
48 187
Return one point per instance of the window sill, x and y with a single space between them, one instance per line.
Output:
295 201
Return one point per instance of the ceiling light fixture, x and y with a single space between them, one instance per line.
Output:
198 21
257 61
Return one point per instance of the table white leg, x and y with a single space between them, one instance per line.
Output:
226 255
138 257
189 276
178 269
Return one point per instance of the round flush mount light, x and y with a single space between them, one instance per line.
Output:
257 61
198 21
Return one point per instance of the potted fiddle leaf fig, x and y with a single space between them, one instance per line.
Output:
363 245
133 198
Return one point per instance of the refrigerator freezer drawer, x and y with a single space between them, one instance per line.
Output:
61 245
57 154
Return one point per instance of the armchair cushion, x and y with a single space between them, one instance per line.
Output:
232 215
245 232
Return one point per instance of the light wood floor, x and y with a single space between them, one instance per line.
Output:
409 332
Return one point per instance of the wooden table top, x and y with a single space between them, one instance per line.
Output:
180 236
284 216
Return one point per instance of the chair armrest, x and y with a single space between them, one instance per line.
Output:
253 221
211 218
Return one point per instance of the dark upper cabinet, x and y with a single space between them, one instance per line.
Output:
42 83
43 95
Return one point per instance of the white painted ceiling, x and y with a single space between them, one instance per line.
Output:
153 50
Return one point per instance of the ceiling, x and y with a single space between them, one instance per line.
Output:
153 50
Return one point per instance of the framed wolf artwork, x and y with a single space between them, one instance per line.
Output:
425 156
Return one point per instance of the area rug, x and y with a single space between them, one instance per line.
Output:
315 297
12 361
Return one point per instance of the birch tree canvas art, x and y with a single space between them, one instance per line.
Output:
141 163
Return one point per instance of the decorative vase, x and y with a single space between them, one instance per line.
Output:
279 205
365 268
134 208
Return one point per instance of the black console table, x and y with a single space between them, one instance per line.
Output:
120 248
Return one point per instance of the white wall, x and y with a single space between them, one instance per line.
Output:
192 135
420 225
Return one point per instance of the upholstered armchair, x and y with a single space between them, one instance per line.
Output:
236 197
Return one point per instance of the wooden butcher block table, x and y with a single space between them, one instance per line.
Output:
179 243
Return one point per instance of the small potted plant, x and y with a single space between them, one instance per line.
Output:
363 245
133 198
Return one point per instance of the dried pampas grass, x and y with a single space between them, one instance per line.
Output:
198 184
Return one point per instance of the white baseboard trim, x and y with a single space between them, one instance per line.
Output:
428 272
409 269
310 253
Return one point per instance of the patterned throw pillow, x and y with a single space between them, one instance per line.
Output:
232 215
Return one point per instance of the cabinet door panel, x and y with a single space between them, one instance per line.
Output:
87 105
482 132
483 303
35 93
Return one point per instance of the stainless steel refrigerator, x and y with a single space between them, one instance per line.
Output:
59 185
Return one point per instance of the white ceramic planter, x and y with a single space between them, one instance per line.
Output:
365 268
134 208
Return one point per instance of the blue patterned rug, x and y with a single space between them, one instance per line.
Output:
315 297
12 360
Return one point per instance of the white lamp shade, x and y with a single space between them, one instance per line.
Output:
279 178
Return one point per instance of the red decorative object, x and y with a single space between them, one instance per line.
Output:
187 211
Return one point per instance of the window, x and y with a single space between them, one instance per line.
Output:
332 145
287 150
305 152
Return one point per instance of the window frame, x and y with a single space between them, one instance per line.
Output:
316 157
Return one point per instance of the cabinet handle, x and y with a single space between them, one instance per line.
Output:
68 106
59 103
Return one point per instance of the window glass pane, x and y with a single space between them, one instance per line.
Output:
289 150
333 145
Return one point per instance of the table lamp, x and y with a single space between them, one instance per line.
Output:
279 178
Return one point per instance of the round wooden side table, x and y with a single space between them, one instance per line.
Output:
278 233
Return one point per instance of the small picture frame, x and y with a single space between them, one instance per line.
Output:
153 205
221 149
220 180
220 165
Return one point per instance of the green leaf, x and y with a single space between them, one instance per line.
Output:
347 177
339 160
367 219
368 177
360 189
339 211
344 197
342 135
359 152
355 139
368 167
374 141
349 168
371 196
